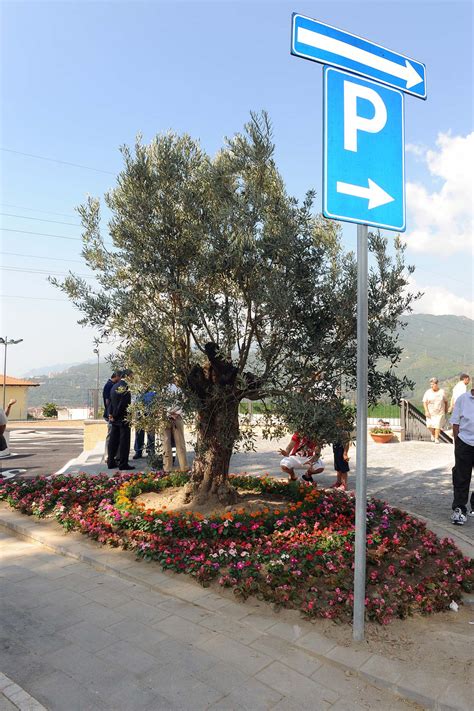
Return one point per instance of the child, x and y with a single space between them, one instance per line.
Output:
341 463
301 453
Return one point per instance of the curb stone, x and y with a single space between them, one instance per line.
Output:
18 696
427 690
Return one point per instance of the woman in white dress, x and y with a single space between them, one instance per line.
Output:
436 407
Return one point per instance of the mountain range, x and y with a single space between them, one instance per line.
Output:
440 346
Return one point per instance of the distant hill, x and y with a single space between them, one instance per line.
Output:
440 346
70 387
48 369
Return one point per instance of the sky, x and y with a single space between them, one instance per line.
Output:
80 79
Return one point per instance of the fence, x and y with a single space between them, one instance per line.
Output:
413 422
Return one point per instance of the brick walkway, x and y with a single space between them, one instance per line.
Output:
79 639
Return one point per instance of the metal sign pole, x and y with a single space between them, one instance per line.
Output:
361 442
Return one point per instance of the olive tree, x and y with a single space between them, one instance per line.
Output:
220 282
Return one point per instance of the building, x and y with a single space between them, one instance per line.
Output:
75 413
16 389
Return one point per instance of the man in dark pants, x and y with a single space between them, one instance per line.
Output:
120 399
462 421
114 378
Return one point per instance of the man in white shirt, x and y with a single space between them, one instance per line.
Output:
459 389
462 421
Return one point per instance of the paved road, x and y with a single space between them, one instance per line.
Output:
41 450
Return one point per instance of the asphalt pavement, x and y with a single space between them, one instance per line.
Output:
40 450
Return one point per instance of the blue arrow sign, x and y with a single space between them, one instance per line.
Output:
322 43
364 166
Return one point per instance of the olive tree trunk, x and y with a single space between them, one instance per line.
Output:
217 431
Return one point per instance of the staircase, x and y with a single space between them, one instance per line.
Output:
413 421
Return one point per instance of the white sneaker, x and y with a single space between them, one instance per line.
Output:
458 518
471 512
436 441
432 438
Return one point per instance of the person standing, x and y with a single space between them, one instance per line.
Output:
4 415
341 462
174 429
436 407
459 389
146 399
114 378
120 399
462 421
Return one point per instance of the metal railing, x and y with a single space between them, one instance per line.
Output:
413 422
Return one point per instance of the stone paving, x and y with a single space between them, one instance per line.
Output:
77 638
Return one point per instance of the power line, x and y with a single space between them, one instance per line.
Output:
34 298
46 272
46 234
55 160
40 234
37 256
41 219
34 209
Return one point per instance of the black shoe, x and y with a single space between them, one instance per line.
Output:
112 466
308 477
127 468
137 455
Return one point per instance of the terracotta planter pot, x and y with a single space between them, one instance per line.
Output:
381 438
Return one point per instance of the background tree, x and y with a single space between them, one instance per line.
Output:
222 283
50 410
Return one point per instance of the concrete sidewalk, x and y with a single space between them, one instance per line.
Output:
414 476
89 627
78 638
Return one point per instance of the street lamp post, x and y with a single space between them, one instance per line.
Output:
96 399
5 342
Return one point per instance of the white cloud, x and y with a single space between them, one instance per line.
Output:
439 301
415 149
442 220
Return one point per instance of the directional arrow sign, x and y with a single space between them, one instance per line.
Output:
363 151
322 43
375 195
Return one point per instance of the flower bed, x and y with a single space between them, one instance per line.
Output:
300 556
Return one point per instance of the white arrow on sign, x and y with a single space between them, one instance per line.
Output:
374 193
406 71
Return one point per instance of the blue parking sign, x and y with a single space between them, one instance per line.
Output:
364 164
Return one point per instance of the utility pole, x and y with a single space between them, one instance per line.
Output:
5 342
96 399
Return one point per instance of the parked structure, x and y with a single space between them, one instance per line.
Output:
17 389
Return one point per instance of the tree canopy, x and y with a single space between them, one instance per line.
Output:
222 283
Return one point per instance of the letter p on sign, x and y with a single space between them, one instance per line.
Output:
353 122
